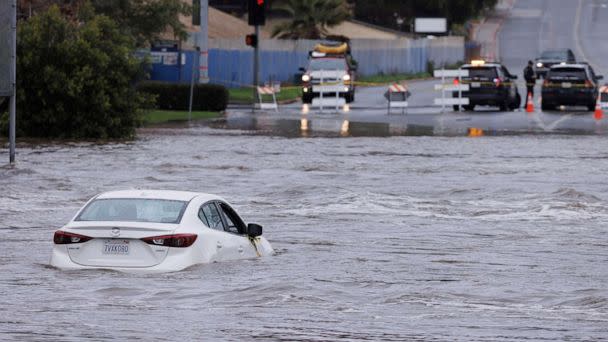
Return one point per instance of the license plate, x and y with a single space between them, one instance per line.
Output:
116 247
475 84
566 85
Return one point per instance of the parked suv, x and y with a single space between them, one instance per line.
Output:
333 64
490 84
570 85
552 57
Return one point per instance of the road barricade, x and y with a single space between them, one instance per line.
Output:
454 86
397 95
329 88
268 92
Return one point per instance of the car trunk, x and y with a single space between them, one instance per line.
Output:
567 77
481 80
118 244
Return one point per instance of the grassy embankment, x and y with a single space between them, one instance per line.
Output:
161 116
383 79
245 95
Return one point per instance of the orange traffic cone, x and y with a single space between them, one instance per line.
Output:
529 104
598 114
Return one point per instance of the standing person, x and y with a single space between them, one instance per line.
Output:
530 78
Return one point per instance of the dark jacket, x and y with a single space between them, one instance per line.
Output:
529 75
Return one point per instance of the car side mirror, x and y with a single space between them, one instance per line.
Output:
302 69
254 230
599 77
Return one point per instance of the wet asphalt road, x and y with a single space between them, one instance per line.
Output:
533 26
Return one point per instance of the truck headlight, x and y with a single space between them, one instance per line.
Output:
539 65
346 77
305 78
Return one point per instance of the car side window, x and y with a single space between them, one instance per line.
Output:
202 217
506 72
500 73
234 223
591 73
212 216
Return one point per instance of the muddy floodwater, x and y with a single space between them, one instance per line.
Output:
377 239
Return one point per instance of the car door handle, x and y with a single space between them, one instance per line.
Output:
241 249
219 245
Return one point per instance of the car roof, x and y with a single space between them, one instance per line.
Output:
578 65
555 50
485 65
157 194
330 57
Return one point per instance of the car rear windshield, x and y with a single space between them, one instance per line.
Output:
327 64
134 210
570 74
482 73
560 55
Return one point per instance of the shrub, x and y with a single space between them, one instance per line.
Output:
76 80
176 96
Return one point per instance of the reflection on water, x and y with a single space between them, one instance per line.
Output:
475 124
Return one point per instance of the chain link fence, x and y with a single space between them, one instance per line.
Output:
6 48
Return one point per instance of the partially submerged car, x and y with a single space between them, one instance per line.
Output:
155 230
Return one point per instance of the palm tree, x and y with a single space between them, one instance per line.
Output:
310 18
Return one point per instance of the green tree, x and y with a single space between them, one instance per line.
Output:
76 80
146 20
309 19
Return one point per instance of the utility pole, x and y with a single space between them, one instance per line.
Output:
203 43
256 63
13 100
257 18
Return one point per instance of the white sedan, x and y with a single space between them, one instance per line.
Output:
153 230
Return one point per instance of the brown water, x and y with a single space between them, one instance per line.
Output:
377 239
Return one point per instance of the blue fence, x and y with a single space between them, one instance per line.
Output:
234 67
174 66
373 62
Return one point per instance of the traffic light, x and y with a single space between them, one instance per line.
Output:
251 40
257 12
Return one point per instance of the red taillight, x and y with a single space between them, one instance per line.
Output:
456 82
175 240
64 238
497 82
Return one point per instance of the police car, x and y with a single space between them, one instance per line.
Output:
490 84
570 85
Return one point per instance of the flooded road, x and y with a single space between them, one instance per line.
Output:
377 238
